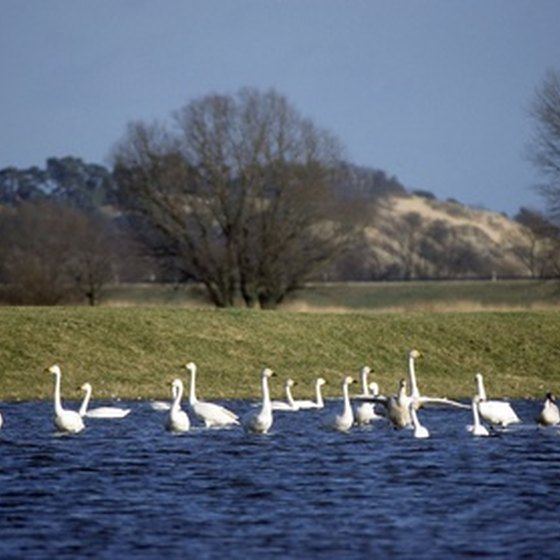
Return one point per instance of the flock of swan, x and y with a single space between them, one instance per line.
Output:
401 409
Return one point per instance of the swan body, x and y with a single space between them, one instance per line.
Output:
259 422
478 429
549 415
365 412
102 411
211 414
420 431
68 421
398 407
343 422
160 405
177 419
318 402
499 413
289 404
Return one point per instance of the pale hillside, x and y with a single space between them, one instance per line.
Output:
428 237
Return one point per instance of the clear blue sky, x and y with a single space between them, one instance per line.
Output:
435 92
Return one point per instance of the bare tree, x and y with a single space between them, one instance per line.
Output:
51 253
539 245
239 190
545 145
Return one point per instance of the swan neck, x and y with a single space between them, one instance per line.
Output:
346 396
192 387
414 392
266 404
480 387
365 388
289 396
57 400
85 402
319 395
178 396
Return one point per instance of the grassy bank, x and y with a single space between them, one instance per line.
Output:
134 352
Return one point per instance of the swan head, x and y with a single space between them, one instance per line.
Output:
267 372
365 370
86 387
176 384
414 354
374 388
348 380
54 369
550 397
191 366
320 381
290 382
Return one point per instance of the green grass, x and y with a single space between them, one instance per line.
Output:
134 352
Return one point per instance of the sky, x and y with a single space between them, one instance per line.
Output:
434 92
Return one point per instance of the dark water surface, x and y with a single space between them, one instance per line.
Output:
128 489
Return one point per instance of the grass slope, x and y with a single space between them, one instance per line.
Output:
135 352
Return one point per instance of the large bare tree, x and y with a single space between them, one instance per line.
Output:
238 190
545 144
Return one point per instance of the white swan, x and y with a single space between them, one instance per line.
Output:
343 422
213 415
160 405
478 429
65 420
259 422
549 415
102 411
1 421
365 412
420 431
289 404
415 395
398 407
318 402
177 419
498 413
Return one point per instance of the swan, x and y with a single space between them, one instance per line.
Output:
213 415
549 415
65 420
160 405
102 411
343 422
495 412
478 429
398 407
259 422
365 412
415 395
318 402
177 419
1 421
289 404
420 432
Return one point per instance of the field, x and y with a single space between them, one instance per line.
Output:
133 351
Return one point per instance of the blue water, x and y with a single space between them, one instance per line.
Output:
128 489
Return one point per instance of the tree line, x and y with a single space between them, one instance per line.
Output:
239 193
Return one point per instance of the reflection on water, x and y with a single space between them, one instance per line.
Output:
127 487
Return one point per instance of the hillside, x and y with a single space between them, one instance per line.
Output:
416 237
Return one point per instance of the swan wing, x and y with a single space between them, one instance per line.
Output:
213 414
437 401
108 412
498 412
